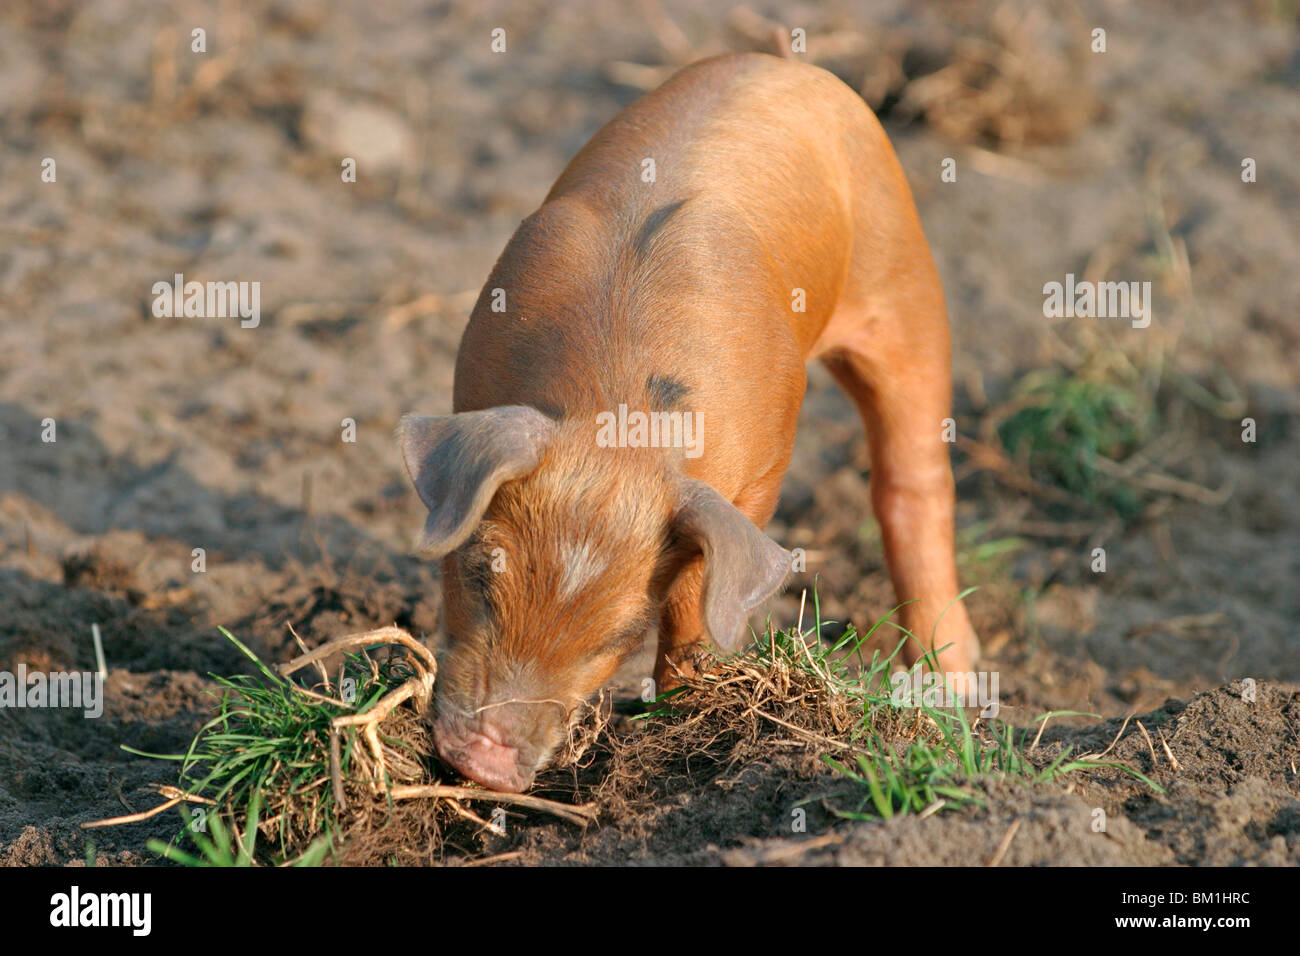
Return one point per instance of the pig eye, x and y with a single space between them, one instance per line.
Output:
475 567
622 642
476 573
630 635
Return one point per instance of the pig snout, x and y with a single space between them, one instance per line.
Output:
484 760
496 746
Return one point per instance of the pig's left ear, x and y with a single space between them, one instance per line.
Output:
457 463
742 566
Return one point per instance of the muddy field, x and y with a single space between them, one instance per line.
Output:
175 434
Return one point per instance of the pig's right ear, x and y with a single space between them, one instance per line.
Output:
457 463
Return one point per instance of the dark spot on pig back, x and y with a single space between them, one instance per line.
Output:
666 391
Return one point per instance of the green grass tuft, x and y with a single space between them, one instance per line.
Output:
1071 423
916 758
267 748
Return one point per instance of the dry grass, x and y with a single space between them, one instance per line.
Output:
1008 82
1001 76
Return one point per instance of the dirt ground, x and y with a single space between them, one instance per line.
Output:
176 434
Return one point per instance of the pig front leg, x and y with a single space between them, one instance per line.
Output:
681 628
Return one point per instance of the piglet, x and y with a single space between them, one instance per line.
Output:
626 394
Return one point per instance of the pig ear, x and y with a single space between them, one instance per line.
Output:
457 462
742 566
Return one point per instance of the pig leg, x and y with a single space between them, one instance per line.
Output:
681 627
893 360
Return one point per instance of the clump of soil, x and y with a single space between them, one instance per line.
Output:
1230 772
